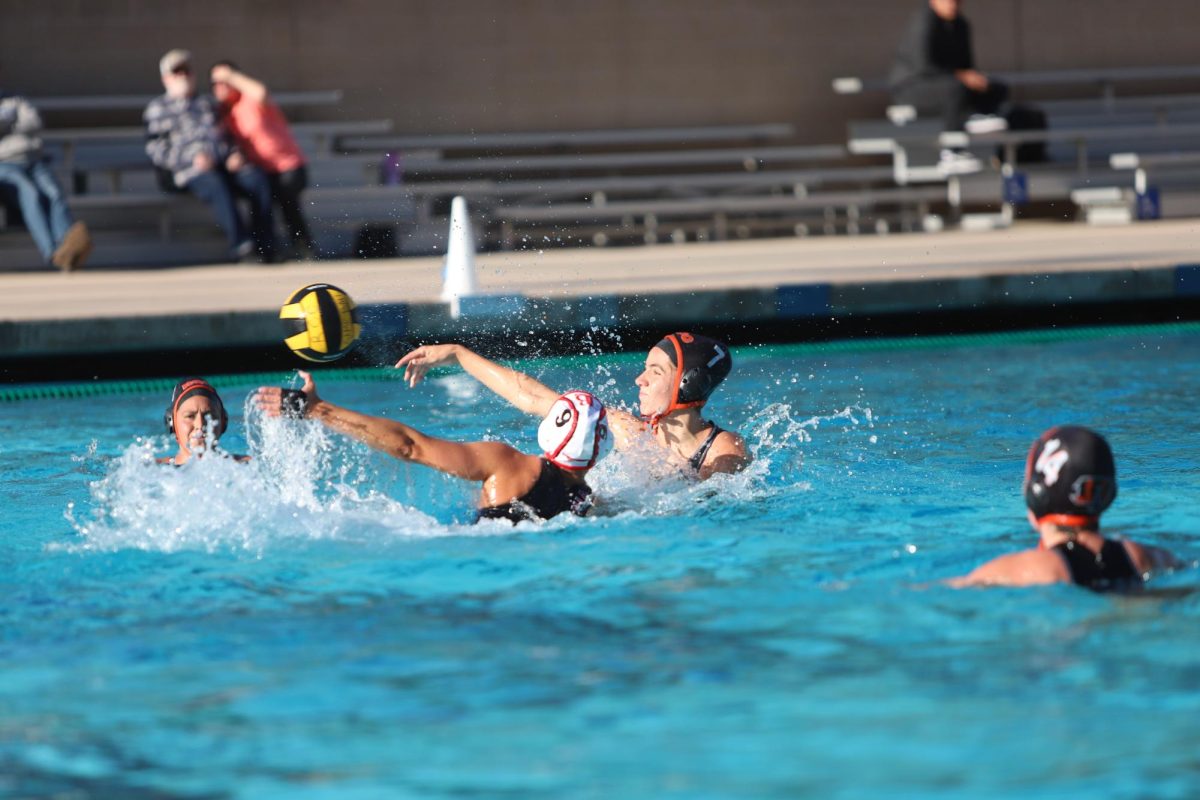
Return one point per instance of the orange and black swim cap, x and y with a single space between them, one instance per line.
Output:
700 363
1070 476
189 387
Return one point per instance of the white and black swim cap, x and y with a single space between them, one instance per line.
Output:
1070 474
575 434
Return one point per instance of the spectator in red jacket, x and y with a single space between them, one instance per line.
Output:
261 133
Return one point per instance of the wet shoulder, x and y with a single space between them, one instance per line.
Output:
1026 568
728 454
1146 559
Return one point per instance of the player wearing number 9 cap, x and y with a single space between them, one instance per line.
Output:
514 486
679 375
1070 480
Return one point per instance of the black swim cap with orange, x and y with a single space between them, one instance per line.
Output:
700 363
189 387
1070 476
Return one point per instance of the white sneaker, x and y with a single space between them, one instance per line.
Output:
958 162
985 123
244 252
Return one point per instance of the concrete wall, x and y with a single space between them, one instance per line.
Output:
483 65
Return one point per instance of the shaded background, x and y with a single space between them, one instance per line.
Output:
474 65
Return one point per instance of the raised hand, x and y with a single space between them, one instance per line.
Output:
424 358
276 402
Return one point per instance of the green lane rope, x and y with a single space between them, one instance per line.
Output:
42 391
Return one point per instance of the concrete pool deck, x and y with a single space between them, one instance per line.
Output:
758 282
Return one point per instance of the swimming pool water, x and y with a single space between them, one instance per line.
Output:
323 623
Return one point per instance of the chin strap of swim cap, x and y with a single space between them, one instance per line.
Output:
677 381
1065 521
185 389
1081 521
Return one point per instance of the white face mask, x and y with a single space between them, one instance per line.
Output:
575 435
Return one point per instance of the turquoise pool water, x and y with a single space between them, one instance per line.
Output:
322 623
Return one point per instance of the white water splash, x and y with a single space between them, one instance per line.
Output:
638 480
300 484
304 483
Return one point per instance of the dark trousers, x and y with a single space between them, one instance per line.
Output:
219 190
944 96
285 190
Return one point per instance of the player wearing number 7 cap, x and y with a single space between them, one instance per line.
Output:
514 486
680 374
1070 479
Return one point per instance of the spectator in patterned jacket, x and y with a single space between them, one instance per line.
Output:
192 154
62 241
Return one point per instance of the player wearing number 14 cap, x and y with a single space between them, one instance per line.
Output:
679 375
1070 479
514 486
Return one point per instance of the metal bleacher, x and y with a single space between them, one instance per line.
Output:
112 186
1082 135
359 176
647 185
657 184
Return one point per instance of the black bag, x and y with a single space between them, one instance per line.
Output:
166 181
376 241
1027 118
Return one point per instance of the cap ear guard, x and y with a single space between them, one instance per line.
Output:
696 384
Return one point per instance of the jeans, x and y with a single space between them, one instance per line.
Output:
219 189
42 202
285 190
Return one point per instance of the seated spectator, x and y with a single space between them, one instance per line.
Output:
62 242
934 70
260 132
192 154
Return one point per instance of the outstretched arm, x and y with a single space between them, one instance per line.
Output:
522 391
517 388
476 461
248 87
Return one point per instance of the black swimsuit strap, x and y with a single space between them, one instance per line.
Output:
1111 568
697 459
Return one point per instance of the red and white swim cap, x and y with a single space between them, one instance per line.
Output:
575 435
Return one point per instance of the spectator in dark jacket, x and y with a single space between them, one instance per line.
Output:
61 241
934 71
186 144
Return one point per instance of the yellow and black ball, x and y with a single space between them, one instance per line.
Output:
320 322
